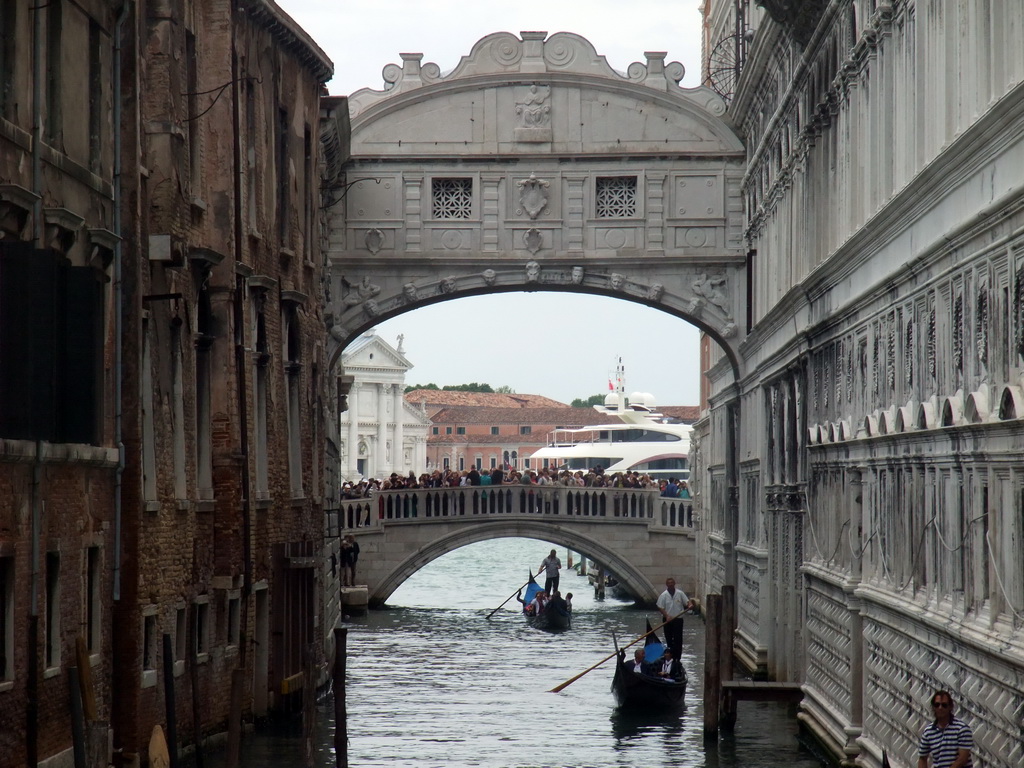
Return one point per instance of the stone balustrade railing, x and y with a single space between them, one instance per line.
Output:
644 506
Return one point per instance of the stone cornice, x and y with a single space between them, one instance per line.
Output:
271 17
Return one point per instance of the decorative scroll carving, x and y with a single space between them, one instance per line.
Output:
981 327
533 195
932 358
890 357
1018 314
361 293
958 333
909 352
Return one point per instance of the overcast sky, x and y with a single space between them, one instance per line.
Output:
559 345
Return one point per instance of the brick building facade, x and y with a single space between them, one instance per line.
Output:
488 430
160 289
58 442
224 372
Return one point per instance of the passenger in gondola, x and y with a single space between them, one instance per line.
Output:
558 603
670 668
540 602
637 665
528 608
568 601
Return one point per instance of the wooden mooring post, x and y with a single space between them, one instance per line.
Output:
721 691
712 666
727 633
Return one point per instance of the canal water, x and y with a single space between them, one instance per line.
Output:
433 682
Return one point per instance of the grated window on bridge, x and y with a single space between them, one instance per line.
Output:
452 198
616 197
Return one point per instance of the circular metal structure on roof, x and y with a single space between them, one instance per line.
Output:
724 65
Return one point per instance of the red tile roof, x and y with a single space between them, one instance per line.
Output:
438 398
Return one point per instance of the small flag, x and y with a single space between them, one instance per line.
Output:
611 387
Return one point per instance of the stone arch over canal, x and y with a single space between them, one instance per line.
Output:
534 165
641 554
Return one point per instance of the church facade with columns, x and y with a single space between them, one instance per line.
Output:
379 433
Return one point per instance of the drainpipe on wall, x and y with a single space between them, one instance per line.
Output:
118 288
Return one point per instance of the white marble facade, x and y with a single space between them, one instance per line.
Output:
870 506
379 432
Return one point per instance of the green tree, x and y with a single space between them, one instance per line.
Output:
431 385
592 400
473 387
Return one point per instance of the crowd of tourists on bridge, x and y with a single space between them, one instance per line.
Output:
451 478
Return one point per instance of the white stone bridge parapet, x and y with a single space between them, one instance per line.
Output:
635 533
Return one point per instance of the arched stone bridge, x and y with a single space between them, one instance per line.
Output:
639 536
535 166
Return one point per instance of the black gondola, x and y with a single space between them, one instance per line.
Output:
552 619
643 691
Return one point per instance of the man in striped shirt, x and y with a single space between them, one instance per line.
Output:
948 740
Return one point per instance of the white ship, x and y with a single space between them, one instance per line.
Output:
636 438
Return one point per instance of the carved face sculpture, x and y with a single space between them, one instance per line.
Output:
577 275
409 291
655 291
532 272
448 285
489 276
617 281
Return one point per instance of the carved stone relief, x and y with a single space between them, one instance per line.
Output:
655 291
617 281
712 288
447 285
578 273
532 272
533 195
533 240
374 240
361 293
533 115
489 276
410 293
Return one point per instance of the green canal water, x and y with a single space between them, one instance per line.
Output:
433 682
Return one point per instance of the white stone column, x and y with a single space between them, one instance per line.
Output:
397 449
352 467
380 465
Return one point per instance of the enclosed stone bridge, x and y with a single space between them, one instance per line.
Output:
535 166
637 535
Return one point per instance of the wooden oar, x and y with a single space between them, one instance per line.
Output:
514 594
572 680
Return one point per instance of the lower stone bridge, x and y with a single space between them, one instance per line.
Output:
636 534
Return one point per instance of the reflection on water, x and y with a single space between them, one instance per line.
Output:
433 682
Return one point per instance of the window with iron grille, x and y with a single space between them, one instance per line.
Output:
452 198
616 197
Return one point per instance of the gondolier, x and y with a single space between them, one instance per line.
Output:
672 603
551 565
